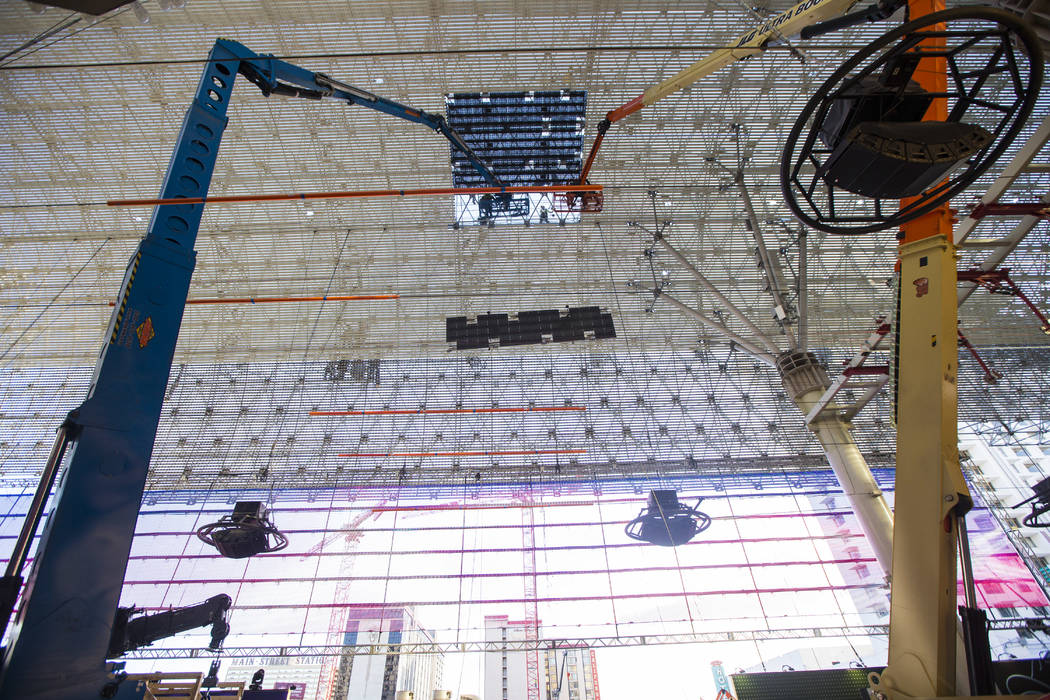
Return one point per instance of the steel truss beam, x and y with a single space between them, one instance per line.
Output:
1034 624
850 371
518 645
1000 248
729 306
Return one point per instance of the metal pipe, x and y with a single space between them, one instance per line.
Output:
274 300
772 278
746 345
864 494
803 291
729 306
36 508
969 590
858 483
11 584
352 194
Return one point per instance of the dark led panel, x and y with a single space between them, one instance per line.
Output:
529 328
527 138
830 684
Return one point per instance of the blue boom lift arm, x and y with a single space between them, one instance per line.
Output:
59 639
276 77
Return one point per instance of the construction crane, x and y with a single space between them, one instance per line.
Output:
335 671
135 632
83 553
532 622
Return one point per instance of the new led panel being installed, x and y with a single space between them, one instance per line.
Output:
529 327
527 138
828 684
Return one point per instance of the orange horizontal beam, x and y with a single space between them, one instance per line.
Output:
445 411
272 300
351 194
505 453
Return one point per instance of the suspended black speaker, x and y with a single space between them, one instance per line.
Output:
901 159
667 522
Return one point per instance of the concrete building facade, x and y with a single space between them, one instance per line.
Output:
381 677
566 673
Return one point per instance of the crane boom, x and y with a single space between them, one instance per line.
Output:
134 632
788 23
277 77
59 641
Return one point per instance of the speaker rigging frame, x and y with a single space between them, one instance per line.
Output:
804 160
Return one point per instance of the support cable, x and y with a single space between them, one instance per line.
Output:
462 562
605 552
64 23
747 563
53 299
67 36
316 578
678 568
389 565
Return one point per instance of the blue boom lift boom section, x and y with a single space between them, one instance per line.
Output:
58 641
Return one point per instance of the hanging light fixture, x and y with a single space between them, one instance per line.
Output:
244 533
667 522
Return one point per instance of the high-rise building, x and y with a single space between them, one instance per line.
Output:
1002 477
380 677
572 673
566 673
505 674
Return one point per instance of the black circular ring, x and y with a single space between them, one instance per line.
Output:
1014 24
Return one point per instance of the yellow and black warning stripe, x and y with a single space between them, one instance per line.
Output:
124 301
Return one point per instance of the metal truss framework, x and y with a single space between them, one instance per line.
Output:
666 400
244 427
519 645
249 426
52 227
1040 624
